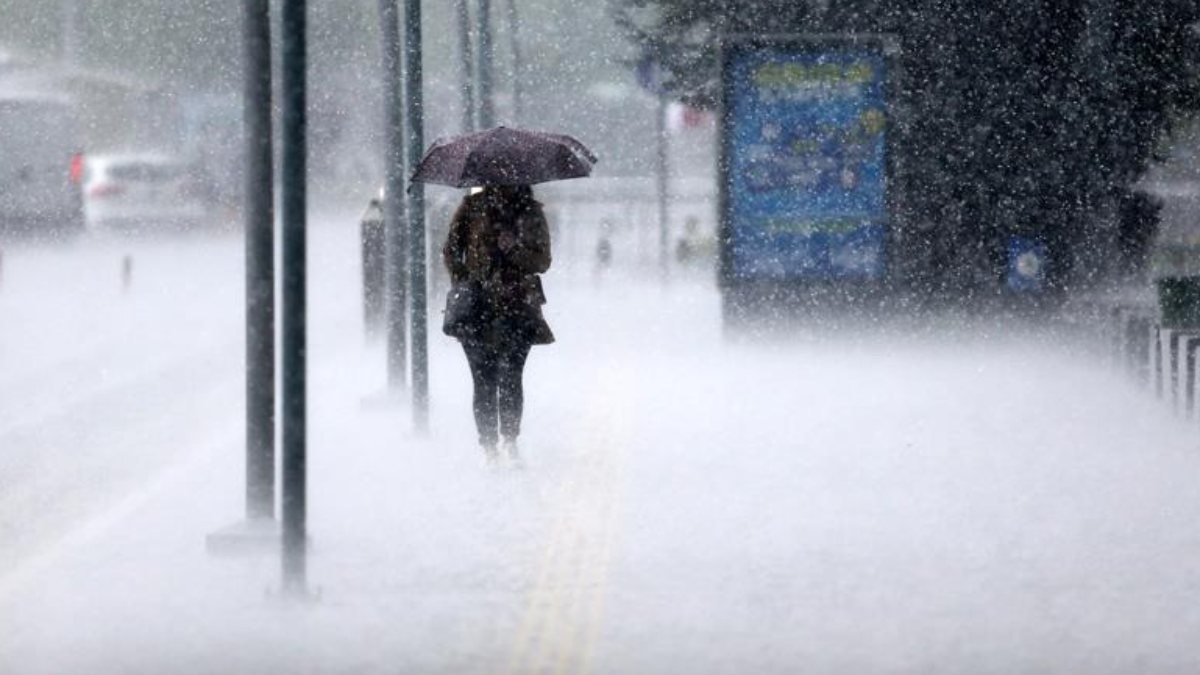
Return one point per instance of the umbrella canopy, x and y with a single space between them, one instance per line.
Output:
503 156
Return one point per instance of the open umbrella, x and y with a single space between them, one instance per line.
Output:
503 156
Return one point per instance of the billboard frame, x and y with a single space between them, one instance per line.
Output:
738 290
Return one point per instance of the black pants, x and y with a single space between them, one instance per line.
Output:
499 394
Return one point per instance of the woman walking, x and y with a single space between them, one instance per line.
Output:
497 245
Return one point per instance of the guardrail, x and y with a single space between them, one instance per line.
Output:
1162 359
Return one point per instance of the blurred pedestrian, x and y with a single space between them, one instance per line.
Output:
497 245
686 247
604 248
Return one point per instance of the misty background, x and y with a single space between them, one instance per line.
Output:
1068 123
179 65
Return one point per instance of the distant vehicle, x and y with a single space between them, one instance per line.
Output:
40 166
143 192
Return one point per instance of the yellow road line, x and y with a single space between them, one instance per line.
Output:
565 610
538 595
610 530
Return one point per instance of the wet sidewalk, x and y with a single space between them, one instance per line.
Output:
979 504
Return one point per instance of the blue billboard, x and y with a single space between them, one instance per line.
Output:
804 162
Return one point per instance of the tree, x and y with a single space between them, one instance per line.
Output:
1014 117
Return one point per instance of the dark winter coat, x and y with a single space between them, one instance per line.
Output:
510 277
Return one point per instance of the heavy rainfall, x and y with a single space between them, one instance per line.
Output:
861 337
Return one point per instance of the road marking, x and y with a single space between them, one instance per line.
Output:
561 624
100 524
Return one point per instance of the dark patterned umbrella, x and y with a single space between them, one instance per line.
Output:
503 156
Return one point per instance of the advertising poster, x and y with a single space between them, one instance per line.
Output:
805 167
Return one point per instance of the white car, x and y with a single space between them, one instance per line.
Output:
142 192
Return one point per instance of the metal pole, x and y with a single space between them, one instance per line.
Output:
294 204
415 118
662 174
70 33
393 201
518 64
1190 345
1159 332
260 263
462 15
483 68
371 240
1173 347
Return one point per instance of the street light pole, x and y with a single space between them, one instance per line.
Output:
260 529
393 198
462 15
662 175
293 192
514 41
260 263
415 118
483 68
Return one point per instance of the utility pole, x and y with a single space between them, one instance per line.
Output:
260 529
514 23
662 174
260 263
462 15
294 203
393 198
415 118
483 68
